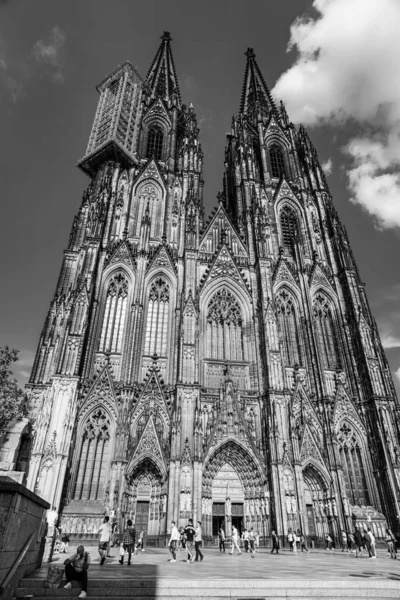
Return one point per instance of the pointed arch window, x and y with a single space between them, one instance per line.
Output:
224 327
289 227
327 337
157 319
114 315
277 159
93 457
351 457
155 140
289 327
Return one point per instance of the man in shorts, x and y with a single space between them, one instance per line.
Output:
105 535
189 532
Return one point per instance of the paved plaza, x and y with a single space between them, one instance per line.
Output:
317 565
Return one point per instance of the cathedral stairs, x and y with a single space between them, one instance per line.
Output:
319 574
198 589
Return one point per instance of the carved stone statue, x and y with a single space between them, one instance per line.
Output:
294 504
257 506
252 507
334 507
288 504
182 504
228 507
188 502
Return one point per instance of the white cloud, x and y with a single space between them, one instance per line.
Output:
327 166
49 53
390 341
348 69
397 374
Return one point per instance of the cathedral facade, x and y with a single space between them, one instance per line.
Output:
228 371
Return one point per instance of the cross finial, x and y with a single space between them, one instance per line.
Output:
166 36
250 53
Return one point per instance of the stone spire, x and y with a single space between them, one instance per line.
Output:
256 96
161 77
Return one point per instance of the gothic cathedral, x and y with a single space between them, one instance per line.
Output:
230 370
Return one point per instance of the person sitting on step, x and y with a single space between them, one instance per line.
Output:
76 568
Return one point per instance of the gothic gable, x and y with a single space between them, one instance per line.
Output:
163 259
189 308
102 393
152 400
303 409
157 112
231 425
283 273
318 278
274 130
309 448
148 448
224 266
344 408
219 224
151 171
121 254
284 190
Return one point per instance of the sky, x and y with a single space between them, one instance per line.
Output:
335 63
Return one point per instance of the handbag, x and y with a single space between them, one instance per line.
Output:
54 577
121 551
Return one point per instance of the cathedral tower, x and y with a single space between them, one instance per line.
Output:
228 371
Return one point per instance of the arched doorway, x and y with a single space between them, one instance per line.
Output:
234 491
317 520
146 500
227 484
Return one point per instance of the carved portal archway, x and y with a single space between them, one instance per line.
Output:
318 503
234 491
145 500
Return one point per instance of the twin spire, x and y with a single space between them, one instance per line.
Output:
161 77
256 96
163 82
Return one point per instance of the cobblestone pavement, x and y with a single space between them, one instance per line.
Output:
317 565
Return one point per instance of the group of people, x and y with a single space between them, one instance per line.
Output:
77 565
184 538
363 540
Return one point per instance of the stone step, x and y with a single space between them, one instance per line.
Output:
267 594
166 588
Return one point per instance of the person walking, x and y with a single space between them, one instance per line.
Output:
105 535
221 535
358 542
245 538
328 542
290 538
190 533
367 542
303 543
76 568
235 540
140 542
344 541
128 540
371 543
173 541
350 542
252 542
198 542
390 540
275 543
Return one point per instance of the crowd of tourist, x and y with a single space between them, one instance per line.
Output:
358 542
